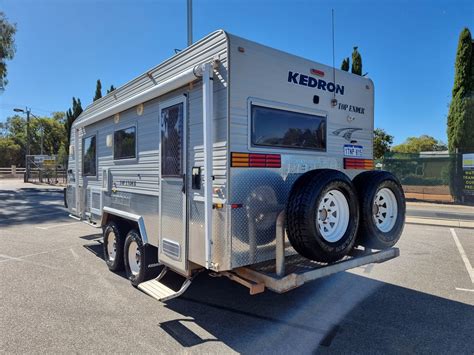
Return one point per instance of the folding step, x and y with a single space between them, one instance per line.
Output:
157 289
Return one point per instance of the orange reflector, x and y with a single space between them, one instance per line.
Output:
354 163
252 160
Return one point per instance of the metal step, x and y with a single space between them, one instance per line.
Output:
161 292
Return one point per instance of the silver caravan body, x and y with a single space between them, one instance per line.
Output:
194 121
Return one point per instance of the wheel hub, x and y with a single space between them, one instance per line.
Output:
385 210
323 215
134 258
112 246
333 216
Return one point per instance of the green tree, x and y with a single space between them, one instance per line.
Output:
424 143
71 116
98 91
62 155
460 118
112 88
382 143
7 47
47 132
356 62
10 152
345 64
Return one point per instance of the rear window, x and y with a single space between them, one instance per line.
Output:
280 128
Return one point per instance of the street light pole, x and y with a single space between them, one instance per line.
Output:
28 138
190 22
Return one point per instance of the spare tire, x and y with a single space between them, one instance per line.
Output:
382 206
322 215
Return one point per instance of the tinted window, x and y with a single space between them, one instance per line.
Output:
171 140
280 128
125 143
89 167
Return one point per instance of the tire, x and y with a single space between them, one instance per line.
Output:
309 226
381 223
141 261
113 249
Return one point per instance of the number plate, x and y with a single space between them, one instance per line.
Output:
351 150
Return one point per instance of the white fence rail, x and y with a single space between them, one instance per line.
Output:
12 171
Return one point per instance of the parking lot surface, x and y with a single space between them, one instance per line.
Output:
57 295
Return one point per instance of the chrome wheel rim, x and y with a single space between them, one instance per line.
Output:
134 258
385 210
111 246
332 217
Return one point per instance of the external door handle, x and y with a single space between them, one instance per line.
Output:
183 190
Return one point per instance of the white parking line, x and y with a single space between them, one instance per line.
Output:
20 258
467 264
464 289
57 225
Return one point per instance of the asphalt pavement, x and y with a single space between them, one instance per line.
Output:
57 295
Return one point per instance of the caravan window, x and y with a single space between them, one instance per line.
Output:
125 143
280 128
89 162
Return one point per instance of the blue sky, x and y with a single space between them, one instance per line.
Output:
408 47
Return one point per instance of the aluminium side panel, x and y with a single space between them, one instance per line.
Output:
270 78
133 185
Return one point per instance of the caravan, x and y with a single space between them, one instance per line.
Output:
237 158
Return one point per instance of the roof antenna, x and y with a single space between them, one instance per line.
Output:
334 100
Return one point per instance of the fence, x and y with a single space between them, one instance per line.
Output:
434 176
36 174
12 172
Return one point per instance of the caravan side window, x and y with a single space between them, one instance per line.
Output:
280 128
89 161
125 143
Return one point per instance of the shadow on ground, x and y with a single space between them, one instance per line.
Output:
31 205
342 313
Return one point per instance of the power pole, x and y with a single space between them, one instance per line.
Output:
190 22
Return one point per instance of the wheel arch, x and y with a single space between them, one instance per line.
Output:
131 220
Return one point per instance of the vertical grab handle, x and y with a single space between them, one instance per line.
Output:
183 190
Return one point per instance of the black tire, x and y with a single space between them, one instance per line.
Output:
147 259
302 211
368 184
114 263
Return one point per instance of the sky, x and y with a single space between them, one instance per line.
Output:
408 47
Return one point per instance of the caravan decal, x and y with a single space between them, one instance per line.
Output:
312 82
346 133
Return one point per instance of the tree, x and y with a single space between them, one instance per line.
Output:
98 91
424 143
111 89
7 47
10 152
71 116
356 62
382 143
345 64
46 132
460 117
